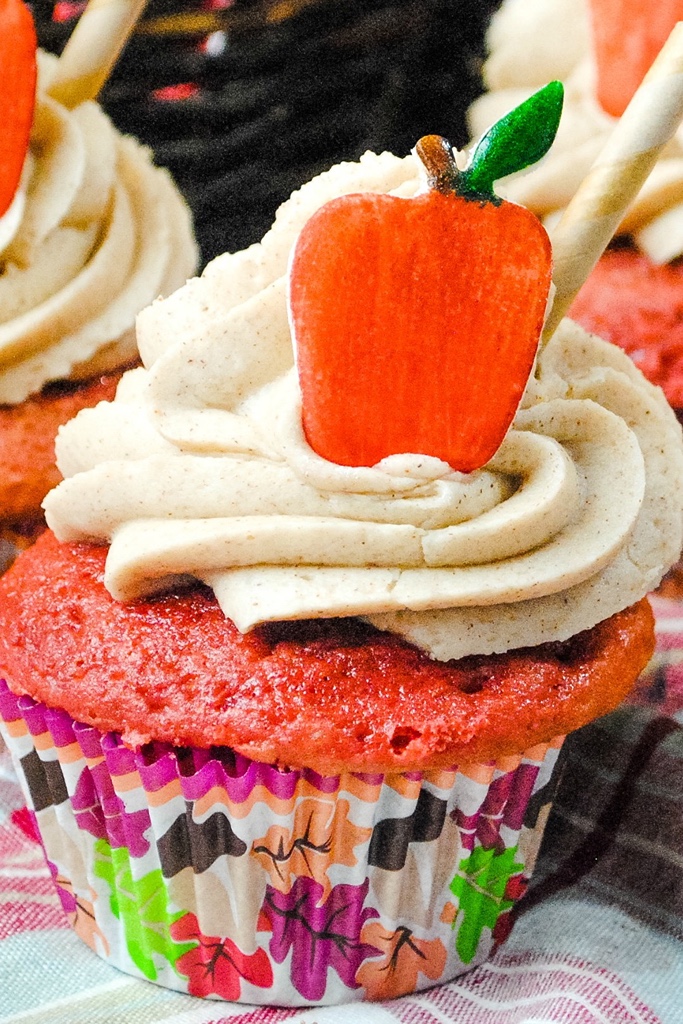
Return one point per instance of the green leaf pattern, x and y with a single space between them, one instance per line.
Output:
142 906
479 886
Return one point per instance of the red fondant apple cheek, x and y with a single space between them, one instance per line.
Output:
416 323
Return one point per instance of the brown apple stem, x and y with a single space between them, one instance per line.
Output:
436 154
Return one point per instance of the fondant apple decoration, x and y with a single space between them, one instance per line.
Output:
627 36
17 93
416 321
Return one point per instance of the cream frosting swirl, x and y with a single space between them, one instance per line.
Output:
531 42
200 469
94 234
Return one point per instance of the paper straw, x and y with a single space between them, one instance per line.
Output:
594 214
93 48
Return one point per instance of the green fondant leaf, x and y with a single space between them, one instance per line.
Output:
142 905
517 141
479 887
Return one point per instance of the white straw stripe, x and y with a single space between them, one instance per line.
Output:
434 1010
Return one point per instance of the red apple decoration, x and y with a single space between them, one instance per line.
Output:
17 93
416 321
627 36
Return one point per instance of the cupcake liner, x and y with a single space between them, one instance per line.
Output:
209 873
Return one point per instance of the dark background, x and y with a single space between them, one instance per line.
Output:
244 100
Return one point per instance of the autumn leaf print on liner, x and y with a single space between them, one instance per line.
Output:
44 780
100 811
319 934
210 896
417 893
405 957
481 889
80 912
391 837
216 966
141 904
321 835
197 844
506 799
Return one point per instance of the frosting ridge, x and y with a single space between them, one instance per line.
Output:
200 469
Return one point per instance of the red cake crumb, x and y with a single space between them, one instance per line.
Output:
639 306
27 442
329 694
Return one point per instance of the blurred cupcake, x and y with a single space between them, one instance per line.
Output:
93 233
601 50
347 804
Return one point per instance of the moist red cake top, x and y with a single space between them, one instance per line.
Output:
328 694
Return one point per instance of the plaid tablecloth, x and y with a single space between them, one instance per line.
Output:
598 939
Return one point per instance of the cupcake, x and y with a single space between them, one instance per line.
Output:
601 51
288 724
92 233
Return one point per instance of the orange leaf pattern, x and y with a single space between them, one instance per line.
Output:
322 835
405 958
82 918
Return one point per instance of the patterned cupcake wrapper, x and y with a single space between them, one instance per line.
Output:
212 874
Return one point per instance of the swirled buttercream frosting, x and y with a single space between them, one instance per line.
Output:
531 42
94 234
200 469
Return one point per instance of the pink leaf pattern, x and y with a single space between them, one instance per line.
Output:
320 935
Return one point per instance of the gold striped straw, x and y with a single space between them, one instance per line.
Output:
92 49
594 214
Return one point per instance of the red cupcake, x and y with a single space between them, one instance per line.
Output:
289 738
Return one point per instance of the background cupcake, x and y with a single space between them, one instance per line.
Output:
93 234
601 51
